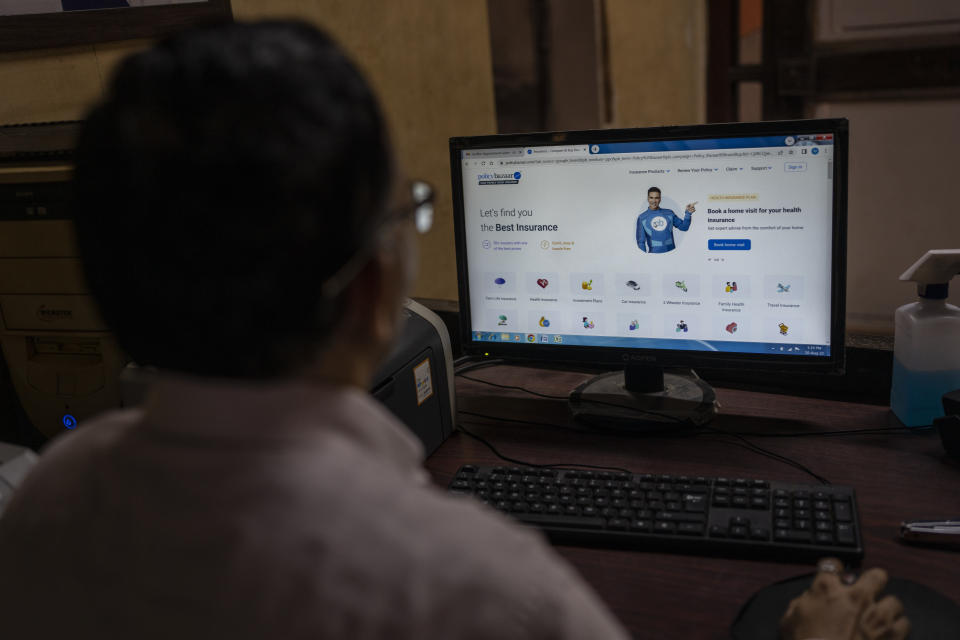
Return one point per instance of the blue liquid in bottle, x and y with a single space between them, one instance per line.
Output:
915 396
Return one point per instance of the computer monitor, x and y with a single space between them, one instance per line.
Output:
638 249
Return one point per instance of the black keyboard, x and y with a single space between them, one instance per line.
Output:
695 515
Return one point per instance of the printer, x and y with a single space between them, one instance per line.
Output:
416 380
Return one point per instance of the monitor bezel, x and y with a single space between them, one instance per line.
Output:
619 356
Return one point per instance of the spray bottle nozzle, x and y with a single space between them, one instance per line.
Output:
933 272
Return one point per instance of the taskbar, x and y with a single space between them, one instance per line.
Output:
731 346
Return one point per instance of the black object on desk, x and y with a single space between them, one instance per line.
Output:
698 515
949 425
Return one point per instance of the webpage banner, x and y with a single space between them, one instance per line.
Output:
704 249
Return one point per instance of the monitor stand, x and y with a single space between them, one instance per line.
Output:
643 398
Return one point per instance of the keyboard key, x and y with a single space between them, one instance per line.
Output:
716 531
789 535
841 511
640 525
845 534
823 537
690 529
664 527
560 521
677 516
618 524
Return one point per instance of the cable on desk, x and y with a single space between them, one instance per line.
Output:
467 365
741 441
766 452
508 386
525 463
462 360
517 420
796 434
839 432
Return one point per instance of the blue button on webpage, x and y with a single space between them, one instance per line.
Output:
724 244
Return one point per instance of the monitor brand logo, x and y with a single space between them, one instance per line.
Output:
636 357
52 315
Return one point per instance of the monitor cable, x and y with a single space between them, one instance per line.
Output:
738 439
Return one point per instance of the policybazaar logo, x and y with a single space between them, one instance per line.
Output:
499 178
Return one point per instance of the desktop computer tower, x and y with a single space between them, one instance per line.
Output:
63 363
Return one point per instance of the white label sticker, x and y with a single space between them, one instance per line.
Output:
421 375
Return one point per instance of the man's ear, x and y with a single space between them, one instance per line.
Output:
371 305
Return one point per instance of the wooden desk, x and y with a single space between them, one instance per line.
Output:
896 476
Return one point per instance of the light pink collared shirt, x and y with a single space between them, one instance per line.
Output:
230 510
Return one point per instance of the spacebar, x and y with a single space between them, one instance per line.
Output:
559 521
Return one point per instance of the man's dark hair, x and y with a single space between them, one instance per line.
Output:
652 189
228 172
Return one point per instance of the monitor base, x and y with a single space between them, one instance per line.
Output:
649 401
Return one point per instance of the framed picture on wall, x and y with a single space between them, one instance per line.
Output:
40 24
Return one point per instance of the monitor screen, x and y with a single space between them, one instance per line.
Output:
674 245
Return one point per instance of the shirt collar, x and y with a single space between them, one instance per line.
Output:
260 412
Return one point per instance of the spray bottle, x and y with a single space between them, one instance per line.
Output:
926 351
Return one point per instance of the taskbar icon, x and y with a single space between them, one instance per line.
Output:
531 338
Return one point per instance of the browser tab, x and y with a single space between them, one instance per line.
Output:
491 153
